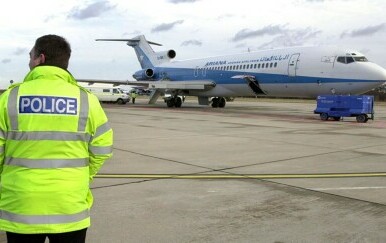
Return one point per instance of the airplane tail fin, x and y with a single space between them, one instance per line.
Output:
145 54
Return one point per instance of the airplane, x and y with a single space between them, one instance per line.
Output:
303 72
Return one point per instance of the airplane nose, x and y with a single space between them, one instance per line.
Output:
379 74
383 75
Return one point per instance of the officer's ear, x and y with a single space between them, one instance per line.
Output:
42 58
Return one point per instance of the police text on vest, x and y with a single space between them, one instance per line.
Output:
48 105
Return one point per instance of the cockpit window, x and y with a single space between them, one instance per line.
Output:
350 59
341 59
361 59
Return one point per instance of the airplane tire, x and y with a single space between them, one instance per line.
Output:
215 102
170 103
177 102
221 102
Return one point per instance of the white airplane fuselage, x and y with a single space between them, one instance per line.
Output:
290 72
287 72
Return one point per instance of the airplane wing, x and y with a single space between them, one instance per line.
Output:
114 82
160 86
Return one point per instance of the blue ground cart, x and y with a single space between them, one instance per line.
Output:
339 106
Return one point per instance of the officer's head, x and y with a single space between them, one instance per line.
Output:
50 50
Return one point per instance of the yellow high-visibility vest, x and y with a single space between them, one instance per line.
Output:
54 137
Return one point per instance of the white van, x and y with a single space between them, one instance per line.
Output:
109 94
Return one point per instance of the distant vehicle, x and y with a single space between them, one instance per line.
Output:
110 94
141 91
338 106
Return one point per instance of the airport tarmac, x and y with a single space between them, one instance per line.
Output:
258 170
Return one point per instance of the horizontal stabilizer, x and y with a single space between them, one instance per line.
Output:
129 40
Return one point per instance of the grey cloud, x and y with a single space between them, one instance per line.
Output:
6 60
93 10
292 38
20 51
166 27
366 31
183 1
268 30
192 42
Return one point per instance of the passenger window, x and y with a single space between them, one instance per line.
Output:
271 65
106 90
275 64
258 66
255 66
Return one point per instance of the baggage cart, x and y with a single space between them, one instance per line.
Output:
339 106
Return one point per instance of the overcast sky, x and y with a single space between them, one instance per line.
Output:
193 28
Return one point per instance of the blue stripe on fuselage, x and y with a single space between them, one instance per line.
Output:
225 77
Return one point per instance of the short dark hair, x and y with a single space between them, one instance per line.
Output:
56 49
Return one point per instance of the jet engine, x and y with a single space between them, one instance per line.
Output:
165 55
146 74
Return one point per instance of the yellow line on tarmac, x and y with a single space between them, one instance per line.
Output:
244 176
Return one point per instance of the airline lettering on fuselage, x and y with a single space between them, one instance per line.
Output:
48 105
261 59
216 63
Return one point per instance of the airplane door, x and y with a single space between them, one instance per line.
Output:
196 71
292 65
203 72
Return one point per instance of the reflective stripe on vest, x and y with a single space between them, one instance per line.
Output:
83 111
45 135
12 108
46 163
100 149
101 130
44 219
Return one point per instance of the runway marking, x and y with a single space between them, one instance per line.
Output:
244 176
348 188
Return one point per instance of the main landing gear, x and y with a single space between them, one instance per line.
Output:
218 102
174 101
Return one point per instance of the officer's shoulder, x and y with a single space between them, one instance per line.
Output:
84 89
12 86
90 95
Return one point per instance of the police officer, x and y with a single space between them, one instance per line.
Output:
133 96
54 137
